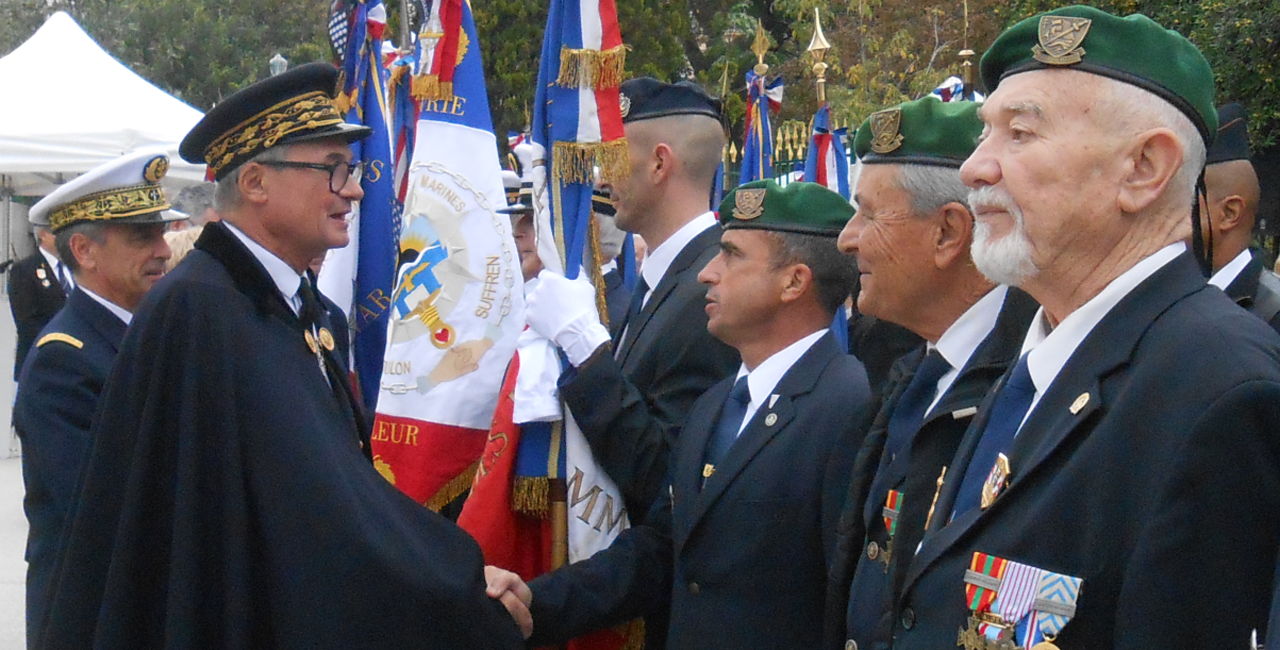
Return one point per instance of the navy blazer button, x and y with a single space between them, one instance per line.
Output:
694 589
873 551
908 618
850 645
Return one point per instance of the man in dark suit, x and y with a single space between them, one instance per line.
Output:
229 499
742 537
911 236
38 286
1231 201
115 256
1112 485
631 397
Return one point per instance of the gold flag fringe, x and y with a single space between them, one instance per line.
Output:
344 101
574 162
592 68
530 495
453 489
429 86
593 272
634 632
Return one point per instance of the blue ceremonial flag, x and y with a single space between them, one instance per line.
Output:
577 117
757 146
360 276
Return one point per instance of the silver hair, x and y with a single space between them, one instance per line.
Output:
95 230
931 187
226 194
1132 110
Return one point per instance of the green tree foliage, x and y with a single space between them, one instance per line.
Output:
1241 39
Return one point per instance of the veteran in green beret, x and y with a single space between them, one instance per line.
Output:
911 236
1107 495
740 538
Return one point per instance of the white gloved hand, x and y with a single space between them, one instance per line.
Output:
564 311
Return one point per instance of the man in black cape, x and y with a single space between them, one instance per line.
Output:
229 501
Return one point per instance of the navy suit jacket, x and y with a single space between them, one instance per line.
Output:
914 474
58 392
34 297
1150 468
743 559
631 407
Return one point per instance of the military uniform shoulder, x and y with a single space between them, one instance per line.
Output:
60 337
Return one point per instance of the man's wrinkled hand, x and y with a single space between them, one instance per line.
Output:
508 589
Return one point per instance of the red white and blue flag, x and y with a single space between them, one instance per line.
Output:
763 97
827 163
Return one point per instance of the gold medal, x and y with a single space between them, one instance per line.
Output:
326 339
311 342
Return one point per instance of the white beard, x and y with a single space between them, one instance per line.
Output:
1006 260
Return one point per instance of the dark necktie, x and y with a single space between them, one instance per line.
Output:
64 280
311 309
1007 413
909 413
726 431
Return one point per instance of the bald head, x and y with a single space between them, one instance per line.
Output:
1232 199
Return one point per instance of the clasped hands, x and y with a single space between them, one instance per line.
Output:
508 589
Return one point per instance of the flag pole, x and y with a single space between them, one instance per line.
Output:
818 47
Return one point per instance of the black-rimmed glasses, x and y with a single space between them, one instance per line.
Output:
339 173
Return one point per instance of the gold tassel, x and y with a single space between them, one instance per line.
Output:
593 272
530 495
634 633
344 101
453 489
592 68
574 162
429 87
397 73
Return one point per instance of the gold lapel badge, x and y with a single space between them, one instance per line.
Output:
1080 403
1060 38
996 481
884 130
40 273
311 341
326 339
708 470
748 204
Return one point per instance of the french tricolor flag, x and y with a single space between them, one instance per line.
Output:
827 163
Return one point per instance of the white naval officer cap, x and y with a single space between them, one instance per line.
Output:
124 190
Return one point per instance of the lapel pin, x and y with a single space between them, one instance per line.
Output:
1080 403
770 419
773 399
964 413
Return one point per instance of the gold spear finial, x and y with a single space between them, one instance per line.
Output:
760 47
818 47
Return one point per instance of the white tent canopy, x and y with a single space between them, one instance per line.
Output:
70 106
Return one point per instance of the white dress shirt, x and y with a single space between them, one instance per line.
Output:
962 339
58 267
1051 347
1227 274
762 380
286 279
658 259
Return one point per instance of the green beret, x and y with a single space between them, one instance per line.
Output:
1134 50
804 208
927 131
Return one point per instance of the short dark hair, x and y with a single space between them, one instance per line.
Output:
834 273
62 240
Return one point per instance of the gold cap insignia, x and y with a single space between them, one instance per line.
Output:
748 204
884 130
624 103
1060 39
156 169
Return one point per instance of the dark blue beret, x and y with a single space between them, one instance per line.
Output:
1232 142
646 98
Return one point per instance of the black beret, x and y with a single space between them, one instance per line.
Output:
646 98
291 107
1232 142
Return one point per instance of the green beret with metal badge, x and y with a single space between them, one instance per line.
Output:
927 131
803 208
1134 50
